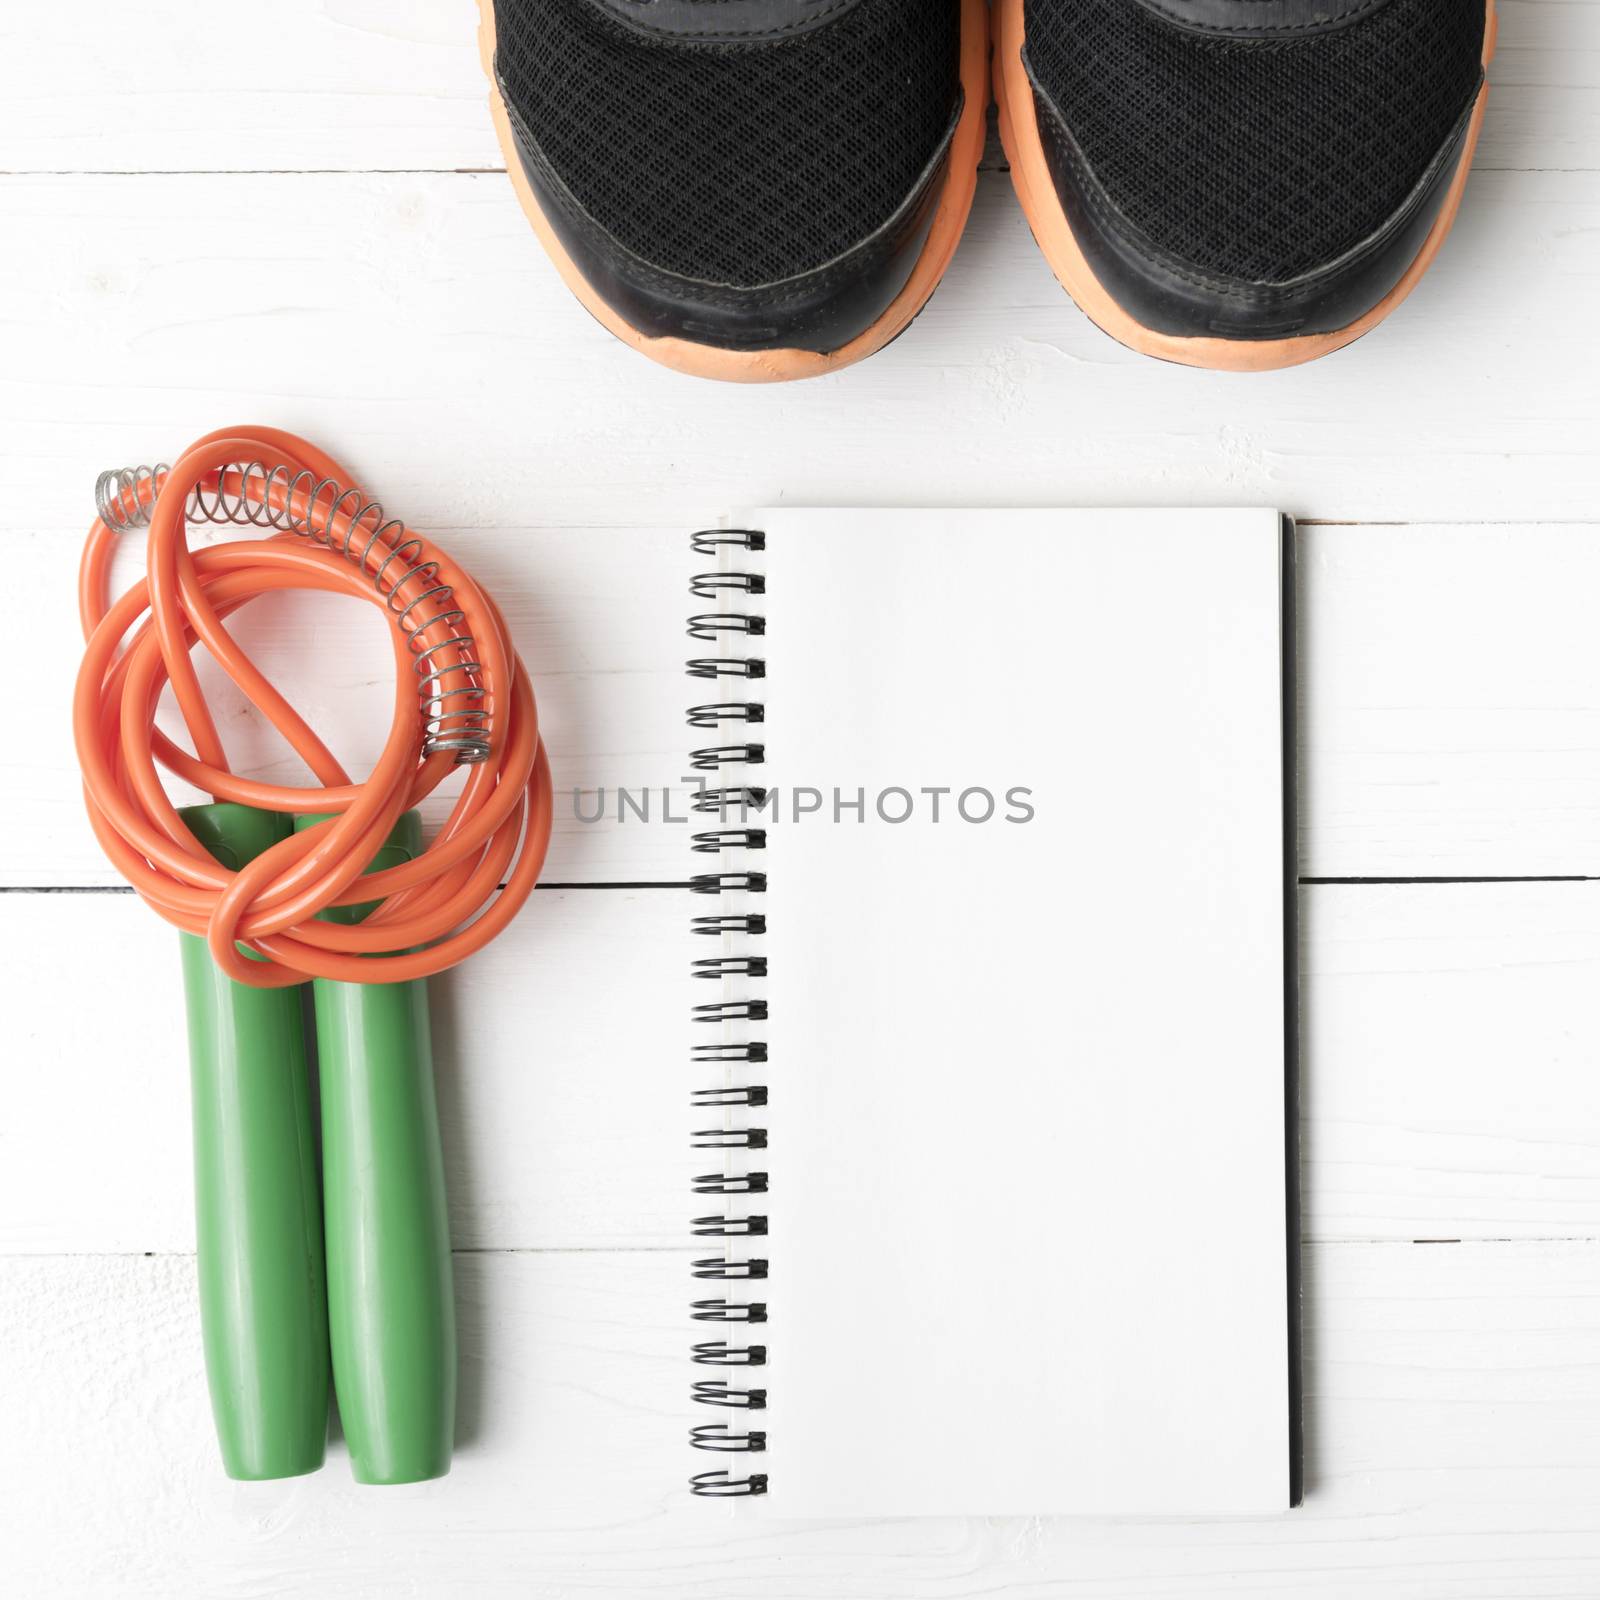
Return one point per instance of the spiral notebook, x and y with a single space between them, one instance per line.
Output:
994 1014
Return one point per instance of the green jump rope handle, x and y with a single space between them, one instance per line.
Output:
258 1224
391 1307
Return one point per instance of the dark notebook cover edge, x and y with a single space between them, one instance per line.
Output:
1291 1009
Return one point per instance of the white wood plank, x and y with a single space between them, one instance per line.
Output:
1450 1040
1449 707
366 84
1544 76
1453 1421
412 323
1449 1074
318 85
1449 701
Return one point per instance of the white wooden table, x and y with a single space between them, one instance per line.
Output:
296 214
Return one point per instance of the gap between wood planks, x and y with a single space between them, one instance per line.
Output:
1304 883
123 888
1542 877
1307 1242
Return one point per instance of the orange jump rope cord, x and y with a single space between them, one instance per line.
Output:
437 909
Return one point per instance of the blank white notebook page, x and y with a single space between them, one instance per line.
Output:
1028 1249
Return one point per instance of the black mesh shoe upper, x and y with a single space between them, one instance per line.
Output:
1257 159
738 164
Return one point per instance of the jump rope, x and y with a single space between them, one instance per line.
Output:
277 890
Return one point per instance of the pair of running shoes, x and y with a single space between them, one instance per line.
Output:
758 190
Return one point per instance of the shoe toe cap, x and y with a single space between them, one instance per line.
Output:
1184 298
1263 180
820 310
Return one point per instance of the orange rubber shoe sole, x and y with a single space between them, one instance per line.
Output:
779 366
1030 175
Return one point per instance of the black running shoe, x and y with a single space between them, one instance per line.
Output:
1242 184
744 189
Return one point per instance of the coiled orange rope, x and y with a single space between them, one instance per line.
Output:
436 909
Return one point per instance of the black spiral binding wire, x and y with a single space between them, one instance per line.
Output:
734 1096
